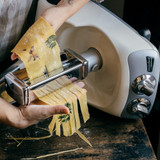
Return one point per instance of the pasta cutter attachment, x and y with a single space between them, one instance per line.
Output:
76 65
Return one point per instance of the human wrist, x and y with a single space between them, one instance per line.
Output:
6 112
58 14
55 16
10 115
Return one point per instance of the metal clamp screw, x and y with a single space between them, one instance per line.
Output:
98 1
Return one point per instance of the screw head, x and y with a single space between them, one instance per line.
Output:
95 68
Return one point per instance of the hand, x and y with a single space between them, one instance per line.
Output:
24 116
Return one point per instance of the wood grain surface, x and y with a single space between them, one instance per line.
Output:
112 139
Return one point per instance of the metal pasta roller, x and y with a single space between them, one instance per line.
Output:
76 65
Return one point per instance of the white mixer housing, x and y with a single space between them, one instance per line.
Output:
126 85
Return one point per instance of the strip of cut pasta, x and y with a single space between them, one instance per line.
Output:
75 107
81 94
72 119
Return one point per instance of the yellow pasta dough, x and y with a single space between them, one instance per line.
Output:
38 49
66 94
5 96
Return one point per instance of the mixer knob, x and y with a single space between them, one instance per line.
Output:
139 107
144 84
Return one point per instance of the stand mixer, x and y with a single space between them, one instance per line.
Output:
126 85
125 65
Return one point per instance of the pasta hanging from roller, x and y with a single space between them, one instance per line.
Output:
65 95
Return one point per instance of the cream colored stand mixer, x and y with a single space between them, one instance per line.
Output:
126 85
125 65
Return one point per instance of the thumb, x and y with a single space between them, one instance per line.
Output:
14 56
32 114
58 109
40 112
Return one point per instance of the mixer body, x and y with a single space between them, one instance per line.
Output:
126 85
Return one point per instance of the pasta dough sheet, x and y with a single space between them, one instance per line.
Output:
38 49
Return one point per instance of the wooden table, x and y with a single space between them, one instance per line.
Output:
112 139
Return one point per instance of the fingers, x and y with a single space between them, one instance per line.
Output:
80 84
45 111
14 56
59 109
73 79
